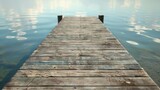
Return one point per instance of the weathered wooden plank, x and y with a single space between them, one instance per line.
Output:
95 26
81 81
86 24
80 62
123 51
78 37
82 67
101 31
74 58
80 31
85 88
79 43
68 47
100 49
85 53
102 34
91 52
83 39
58 54
81 73
82 53
82 19
105 40
75 43
79 54
105 45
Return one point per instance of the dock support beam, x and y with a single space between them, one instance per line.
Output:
101 17
59 18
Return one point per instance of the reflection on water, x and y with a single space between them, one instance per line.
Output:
25 23
80 14
18 25
15 26
137 4
112 4
126 3
142 29
132 42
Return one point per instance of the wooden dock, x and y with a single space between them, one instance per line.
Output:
81 54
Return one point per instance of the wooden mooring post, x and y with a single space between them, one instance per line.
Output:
101 17
59 18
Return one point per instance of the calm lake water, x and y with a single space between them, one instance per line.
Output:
25 23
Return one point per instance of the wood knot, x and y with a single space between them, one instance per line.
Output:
128 83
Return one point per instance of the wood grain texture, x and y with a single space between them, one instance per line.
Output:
81 73
81 54
81 81
85 88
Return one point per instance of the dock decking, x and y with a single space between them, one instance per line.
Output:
81 54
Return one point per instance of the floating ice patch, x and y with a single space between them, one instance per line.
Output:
10 37
157 40
132 42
